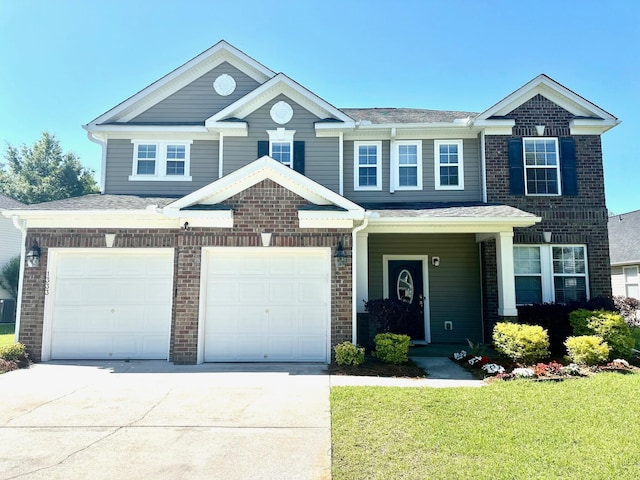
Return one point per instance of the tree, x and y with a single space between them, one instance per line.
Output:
10 276
42 172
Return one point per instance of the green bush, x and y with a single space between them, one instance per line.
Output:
392 348
349 354
521 343
15 352
610 326
587 349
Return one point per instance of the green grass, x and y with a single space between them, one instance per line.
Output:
576 429
7 333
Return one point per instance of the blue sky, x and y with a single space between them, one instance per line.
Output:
65 62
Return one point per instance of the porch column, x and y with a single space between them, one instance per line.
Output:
506 279
362 270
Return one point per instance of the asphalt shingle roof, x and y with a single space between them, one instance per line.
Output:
624 238
462 210
102 202
8 202
404 115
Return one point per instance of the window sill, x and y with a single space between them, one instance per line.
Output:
404 189
367 189
457 187
154 178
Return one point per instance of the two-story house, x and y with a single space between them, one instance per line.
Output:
243 218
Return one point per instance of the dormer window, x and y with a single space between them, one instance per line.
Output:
161 161
281 145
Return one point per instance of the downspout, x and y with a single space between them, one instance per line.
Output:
220 155
103 165
354 309
23 228
341 163
484 167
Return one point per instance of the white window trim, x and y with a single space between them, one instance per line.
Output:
160 174
557 167
356 166
627 283
546 268
281 135
397 166
436 163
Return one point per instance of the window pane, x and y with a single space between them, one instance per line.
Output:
281 151
542 181
570 289
408 176
449 176
630 274
408 154
146 151
367 155
367 176
176 151
528 290
569 260
526 260
146 167
633 291
175 167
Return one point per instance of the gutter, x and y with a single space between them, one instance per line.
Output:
103 163
354 309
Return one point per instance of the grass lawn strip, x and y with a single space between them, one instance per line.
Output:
6 334
576 429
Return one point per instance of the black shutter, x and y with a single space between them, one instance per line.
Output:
263 148
568 166
516 167
298 157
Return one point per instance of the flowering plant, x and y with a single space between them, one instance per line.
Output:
619 363
493 368
460 355
551 368
571 369
523 372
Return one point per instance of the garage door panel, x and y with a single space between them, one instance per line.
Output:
111 305
261 303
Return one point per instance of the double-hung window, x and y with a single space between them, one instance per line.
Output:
550 273
631 282
161 161
409 165
367 160
449 165
281 145
541 166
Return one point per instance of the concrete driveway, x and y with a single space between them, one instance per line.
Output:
154 420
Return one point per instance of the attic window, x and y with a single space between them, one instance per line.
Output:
281 145
161 161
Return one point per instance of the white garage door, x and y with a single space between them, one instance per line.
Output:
111 305
267 305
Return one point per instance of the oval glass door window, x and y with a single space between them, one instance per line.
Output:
405 286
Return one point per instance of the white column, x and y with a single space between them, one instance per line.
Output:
506 279
362 270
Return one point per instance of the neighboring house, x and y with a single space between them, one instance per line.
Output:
10 247
244 218
624 248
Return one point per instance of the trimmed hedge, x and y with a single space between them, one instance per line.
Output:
587 349
521 343
349 354
610 326
392 348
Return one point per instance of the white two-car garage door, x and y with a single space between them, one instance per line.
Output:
266 304
109 304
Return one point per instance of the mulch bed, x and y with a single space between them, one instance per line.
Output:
372 367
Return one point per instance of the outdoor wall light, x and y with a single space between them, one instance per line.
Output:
340 257
435 261
33 256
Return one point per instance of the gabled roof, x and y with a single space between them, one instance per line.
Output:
279 84
378 116
624 238
180 77
257 171
554 91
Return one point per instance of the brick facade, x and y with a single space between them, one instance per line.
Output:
265 207
580 219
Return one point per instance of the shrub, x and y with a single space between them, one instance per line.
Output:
629 308
521 343
392 348
15 352
587 349
349 354
610 326
394 316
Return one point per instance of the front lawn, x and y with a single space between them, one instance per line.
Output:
7 333
575 429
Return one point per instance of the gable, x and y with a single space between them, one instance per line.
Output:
198 100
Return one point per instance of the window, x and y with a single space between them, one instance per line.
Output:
631 282
550 273
541 165
158 161
281 145
449 171
367 165
409 164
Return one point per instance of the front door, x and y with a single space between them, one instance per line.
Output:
406 284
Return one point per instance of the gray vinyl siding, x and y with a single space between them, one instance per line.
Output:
472 177
204 170
454 287
321 154
198 101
